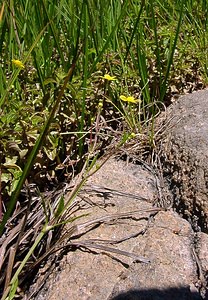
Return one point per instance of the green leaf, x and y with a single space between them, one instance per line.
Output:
49 80
11 165
51 154
23 153
6 177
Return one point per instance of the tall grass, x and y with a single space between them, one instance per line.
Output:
58 99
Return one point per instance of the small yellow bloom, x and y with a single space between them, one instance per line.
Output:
100 104
132 135
128 99
108 77
18 63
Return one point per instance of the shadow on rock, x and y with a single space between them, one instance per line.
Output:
182 293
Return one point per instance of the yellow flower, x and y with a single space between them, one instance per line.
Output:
18 63
108 77
132 135
100 104
129 99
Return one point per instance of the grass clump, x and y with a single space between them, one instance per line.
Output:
75 77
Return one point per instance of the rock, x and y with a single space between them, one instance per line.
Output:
202 250
172 272
148 233
185 157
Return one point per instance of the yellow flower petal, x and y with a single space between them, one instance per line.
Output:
128 99
123 98
131 99
109 77
18 63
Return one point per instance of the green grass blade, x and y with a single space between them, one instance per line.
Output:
134 31
109 38
158 56
172 50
